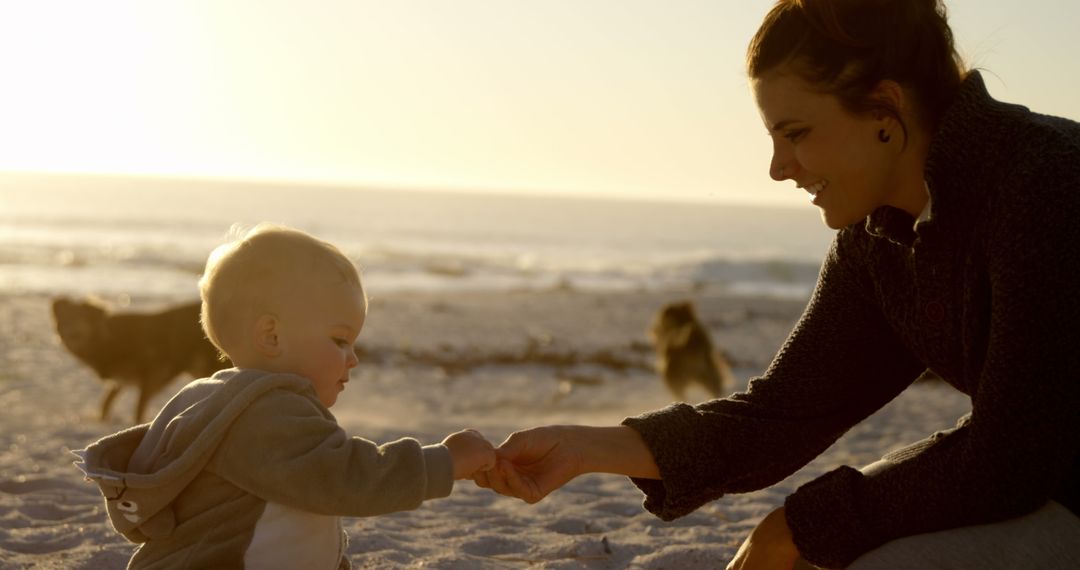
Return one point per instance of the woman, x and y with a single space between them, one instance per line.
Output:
958 251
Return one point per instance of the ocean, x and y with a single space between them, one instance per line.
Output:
116 236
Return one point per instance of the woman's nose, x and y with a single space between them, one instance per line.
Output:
783 164
353 359
780 170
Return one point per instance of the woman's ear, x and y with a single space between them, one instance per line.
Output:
267 339
891 109
889 94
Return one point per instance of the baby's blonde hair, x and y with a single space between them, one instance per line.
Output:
256 268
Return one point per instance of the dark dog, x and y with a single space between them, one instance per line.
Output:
685 353
144 350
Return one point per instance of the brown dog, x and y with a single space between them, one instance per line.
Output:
685 353
144 350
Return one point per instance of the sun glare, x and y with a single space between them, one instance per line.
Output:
612 97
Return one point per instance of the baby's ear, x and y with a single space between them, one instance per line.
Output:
265 332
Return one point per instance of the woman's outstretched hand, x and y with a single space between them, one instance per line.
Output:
535 462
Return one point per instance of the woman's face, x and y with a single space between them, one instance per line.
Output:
829 152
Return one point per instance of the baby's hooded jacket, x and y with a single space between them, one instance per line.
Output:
248 469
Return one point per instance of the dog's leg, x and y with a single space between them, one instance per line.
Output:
680 393
710 379
107 401
140 406
676 384
148 388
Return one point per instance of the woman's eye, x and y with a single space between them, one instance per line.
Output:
342 343
795 135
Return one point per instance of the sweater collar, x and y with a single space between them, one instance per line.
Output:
955 166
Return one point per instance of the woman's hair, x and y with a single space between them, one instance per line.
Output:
257 268
846 47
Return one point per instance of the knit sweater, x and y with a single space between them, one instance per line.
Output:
985 293
247 469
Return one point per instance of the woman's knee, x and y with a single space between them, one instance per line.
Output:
1047 538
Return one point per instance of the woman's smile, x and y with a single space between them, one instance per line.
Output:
815 190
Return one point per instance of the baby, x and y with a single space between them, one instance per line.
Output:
248 468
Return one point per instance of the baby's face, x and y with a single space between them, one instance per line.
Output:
318 329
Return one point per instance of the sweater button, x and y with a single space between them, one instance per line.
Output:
935 312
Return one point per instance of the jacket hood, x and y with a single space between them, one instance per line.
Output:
141 470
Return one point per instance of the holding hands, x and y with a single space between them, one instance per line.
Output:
534 462
528 465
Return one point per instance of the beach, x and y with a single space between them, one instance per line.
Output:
432 363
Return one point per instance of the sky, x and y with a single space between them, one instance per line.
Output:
623 98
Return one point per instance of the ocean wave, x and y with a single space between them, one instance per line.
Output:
126 240
122 268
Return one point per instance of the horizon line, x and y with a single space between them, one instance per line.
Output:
478 190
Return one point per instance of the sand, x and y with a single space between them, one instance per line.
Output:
433 364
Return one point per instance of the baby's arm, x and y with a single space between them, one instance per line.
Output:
470 452
286 448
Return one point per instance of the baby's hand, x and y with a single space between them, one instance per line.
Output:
470 452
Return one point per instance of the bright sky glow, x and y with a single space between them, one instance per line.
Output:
630 98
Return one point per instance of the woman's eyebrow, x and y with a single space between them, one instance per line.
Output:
781 124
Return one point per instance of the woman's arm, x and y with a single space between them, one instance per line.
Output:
842 362
619 450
